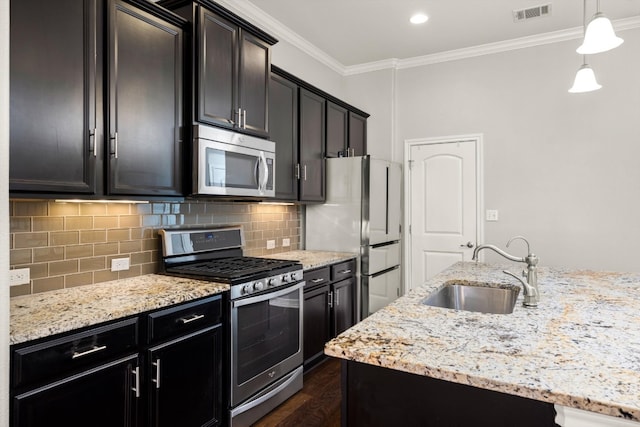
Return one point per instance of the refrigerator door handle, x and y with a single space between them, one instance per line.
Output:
380 273
387 204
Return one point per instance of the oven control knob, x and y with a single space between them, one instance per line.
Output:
271 282
258 286
285 278
247 289
294 276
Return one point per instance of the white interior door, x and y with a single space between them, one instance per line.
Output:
443 206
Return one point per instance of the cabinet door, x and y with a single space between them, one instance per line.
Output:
145 93
343 305
316 323
100 397
185 380
337 121
55 95
283 128
253 78
217 70
312 140
357 134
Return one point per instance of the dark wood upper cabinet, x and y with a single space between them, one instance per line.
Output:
283 127
357 134
231 60
312 144
63 142
337 125
145 103
55 105
217 70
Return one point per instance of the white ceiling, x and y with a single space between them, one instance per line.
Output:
355 32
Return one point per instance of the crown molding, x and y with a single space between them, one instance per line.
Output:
253 13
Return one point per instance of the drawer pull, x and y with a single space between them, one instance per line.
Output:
191 319
86 353
344 271
157 379
320 280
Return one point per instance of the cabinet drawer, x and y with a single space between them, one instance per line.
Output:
184 318
316 277
73 353
343 270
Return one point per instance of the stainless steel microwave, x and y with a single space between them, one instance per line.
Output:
231 164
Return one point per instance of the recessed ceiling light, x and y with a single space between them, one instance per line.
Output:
419 18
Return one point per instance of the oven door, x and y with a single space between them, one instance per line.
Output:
233 170
266 340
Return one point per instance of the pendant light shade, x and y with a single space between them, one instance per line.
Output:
599 36
585 80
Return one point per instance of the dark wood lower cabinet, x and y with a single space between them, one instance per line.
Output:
185 380
316 323
329 307
373 396
99 397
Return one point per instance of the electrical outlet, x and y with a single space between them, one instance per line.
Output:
492 215
286 242
271 244
19 276
119 264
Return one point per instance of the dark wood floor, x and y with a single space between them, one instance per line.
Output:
316 405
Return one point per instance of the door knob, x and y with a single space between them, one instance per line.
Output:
469 245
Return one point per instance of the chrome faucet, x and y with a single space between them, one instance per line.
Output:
530 286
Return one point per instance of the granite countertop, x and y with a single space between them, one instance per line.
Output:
580 348
314 259
48 313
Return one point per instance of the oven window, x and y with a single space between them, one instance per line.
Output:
229 169
268 333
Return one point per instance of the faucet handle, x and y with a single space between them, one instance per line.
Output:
520 238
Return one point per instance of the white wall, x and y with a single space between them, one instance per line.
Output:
4 212
374 93
562 169
307 68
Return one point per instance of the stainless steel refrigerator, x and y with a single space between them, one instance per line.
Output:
362 215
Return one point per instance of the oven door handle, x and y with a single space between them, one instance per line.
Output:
266 296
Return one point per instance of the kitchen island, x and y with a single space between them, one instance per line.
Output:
579 349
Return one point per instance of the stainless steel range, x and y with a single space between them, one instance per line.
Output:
264 313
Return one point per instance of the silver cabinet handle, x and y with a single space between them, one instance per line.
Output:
297 170
239 123
136 388
114 138
92 141
191 319
337 296
157 378
304 172
317 280
244 119
344 271
330 299
95 349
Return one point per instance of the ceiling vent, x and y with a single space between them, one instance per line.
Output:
532 12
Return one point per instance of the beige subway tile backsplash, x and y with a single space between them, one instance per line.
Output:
72 244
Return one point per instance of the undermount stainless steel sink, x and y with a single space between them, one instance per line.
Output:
475 296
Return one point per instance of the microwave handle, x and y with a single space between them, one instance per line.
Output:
263 175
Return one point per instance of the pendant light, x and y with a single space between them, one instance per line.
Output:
585 80
599 35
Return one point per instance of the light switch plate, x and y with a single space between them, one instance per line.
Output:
492 215
19 276
119 264
271 244
286 242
